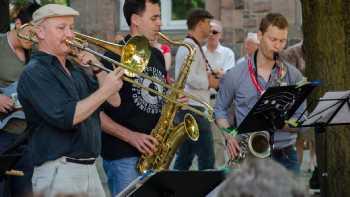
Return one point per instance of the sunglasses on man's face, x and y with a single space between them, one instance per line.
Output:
214 32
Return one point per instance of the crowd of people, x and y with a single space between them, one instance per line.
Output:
76 113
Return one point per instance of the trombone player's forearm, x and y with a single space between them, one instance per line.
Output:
109 86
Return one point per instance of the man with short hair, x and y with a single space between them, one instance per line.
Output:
61 102
126 129
198 83
244 84
251 44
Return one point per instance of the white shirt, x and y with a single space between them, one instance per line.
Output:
221 57
197 82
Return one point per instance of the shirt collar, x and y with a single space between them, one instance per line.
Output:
49 59
254 57
218 49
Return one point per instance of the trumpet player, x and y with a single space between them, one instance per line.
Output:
244 84
62 103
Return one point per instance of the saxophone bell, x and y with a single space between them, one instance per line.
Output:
256 144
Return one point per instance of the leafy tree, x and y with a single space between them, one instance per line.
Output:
326 27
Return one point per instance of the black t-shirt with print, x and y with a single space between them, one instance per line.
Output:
139 110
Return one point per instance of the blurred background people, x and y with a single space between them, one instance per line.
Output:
14 53
166 51
221 58
251 44
199 81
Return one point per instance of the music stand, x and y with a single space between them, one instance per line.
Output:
332 109
275 106
175 184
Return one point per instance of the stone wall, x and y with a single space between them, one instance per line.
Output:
242 16
97 18
101 18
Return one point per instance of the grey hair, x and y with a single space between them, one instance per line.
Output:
261 178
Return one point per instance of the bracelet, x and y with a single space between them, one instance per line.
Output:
231 131
97 71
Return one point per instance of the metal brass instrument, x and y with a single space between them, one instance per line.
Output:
254 144
168 135
135 53
134 58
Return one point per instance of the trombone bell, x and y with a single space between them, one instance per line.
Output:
135 53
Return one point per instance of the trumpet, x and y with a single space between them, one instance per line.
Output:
135 55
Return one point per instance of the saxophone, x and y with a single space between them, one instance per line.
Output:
168 136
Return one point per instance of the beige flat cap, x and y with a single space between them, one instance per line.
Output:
52 10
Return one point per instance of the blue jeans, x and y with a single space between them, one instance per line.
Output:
19 185
203 148
120 173
288 158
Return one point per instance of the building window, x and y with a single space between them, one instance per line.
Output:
173 13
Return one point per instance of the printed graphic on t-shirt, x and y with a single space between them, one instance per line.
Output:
145 100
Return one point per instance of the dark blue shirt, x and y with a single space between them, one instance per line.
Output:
49 97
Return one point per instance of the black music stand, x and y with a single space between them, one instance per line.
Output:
332 109
175 184
275 106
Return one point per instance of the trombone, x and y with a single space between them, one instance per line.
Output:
135 55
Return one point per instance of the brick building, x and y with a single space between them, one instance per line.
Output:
104 18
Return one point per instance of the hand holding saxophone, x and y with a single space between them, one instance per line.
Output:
232 146
144 143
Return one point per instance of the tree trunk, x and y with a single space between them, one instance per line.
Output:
326 27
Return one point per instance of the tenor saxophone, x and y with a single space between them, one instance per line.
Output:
168 135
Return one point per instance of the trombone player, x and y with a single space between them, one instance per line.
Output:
61 102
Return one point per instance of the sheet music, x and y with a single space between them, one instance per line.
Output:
326 108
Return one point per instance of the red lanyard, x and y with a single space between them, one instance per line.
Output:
253 77
254 74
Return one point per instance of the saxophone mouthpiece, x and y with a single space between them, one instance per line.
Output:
275 56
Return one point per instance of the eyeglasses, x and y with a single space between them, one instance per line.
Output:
214 32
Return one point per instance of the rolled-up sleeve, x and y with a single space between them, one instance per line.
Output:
49 99
225 96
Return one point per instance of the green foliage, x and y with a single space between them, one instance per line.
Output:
44 2
19 3
180 8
